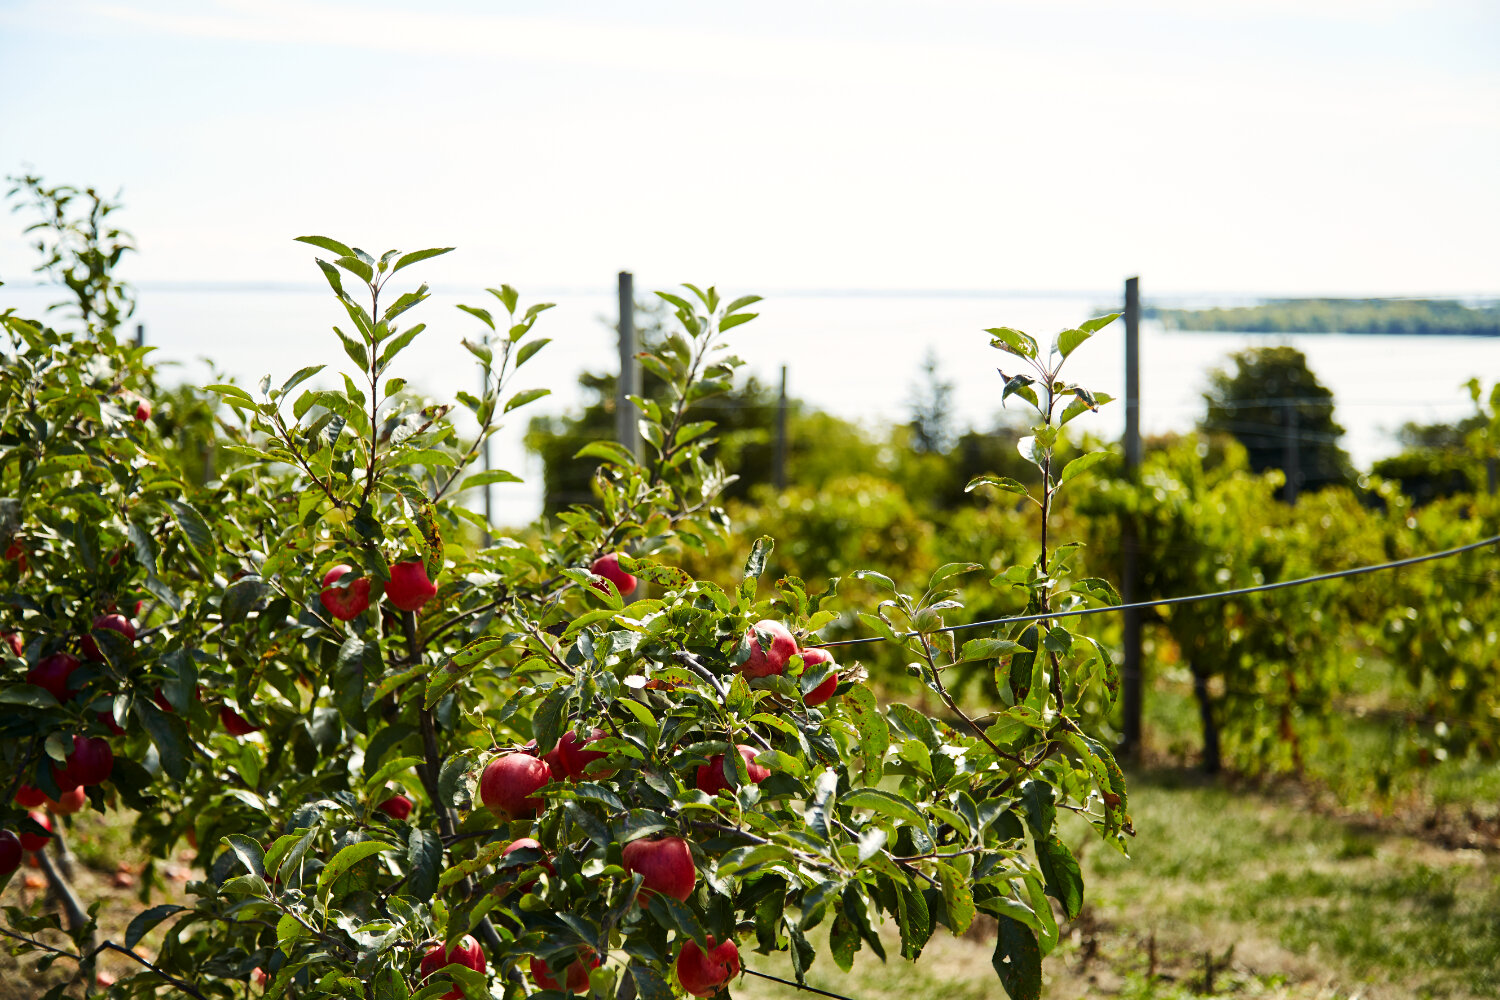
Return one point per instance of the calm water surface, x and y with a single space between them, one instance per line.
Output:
855 355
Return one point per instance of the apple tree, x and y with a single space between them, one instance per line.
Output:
415 765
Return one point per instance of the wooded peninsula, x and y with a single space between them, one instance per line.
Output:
1436 317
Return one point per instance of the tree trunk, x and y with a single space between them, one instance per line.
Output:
1206 716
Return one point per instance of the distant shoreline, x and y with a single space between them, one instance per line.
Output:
1362 317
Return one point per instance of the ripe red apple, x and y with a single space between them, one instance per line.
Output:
666 866
529 843
115 623
409 588
28 797
69 803
576 980
704 973
143 411
609 568
13 640
89 764
258 977
37 841
466 952
765 662
711 778
17 551
509 784
396 807
52 674
234 723
568 759
10 853
816 657
345 603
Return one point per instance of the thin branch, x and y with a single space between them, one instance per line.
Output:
181 984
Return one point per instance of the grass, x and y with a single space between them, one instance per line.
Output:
1280 899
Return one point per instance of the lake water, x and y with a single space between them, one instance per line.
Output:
857 355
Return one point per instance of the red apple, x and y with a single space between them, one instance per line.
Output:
52 674
609 568
345 603
234 723
524 844
816 657
90 763
258 977
13 640
37 841
115 623
10 853
143 411
28 797
466 953
409 588
704 973
666 866
765 662
17 551
711 775
69 803
576 980
509 784
568 760
396 807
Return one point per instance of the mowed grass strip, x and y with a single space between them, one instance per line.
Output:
1281 901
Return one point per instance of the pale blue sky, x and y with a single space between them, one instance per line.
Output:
1317 146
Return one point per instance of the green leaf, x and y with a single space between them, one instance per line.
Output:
324 243
649 985
1098 323
1080 465
170 735
958 898
986 649
389 770
843 938
610 451
1013 340
486 478
194 527
418 256
284 843
424 859
874 734
1060 868
529 348
142 923
759 553
1002 483
288 931
247 849
239 597
676 915
29 695
1069 340
525 396
357 267
348 858
885 803
1018 960
301 375
486 855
